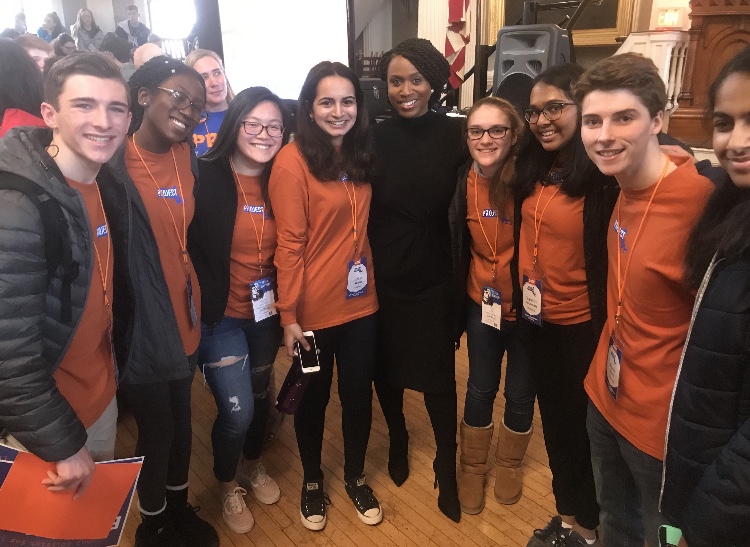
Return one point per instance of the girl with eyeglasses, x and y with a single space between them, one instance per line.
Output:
166 101
563 206
482 216
232 241
320 193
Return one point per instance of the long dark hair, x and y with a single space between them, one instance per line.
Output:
724 227
226 140
324 161
79 25
578 172
501 191
22 86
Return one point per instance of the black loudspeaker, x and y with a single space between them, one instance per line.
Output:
375 91
523 52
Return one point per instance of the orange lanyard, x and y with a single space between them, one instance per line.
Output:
538 222
621 279
104 271
493 248
255 226
353 203
182 240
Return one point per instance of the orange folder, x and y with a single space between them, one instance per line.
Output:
27 507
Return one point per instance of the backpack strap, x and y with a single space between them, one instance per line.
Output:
58 249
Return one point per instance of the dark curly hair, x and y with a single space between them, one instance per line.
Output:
426 59
150 76
325 163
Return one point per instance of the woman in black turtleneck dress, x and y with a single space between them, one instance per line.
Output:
419 153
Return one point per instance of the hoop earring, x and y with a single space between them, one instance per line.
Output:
57 150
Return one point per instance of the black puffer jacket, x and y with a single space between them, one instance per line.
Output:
460 248
32 339
147 339
706 489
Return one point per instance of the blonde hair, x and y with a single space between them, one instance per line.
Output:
197 54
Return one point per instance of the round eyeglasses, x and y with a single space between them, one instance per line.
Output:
495 132
255 128
552 111
182 101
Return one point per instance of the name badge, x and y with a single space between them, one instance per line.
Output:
614 362
531 297
191 302
356 280
491 307
264 303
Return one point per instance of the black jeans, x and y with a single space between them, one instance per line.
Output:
162 414
560 356
353 346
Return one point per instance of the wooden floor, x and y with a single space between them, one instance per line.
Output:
411 516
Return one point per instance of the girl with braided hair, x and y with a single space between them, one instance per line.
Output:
167 100
419 154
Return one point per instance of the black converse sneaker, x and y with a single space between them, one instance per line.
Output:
313 505
367 505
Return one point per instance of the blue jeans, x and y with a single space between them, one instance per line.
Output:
237 357
628 482
486 346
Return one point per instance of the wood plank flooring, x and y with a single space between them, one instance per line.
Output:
411 516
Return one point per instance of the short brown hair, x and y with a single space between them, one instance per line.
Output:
630 71
29 41
87 64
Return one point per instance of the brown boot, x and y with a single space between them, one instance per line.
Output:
511 447
475 444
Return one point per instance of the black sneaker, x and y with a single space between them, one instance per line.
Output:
313 505
367 505
162 535
577 540
193 530
551 535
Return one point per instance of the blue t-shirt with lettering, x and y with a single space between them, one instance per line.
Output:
206 130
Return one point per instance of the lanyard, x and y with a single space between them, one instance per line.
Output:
493 248
353 203
182 240
104 271
538 222
621 279
259 238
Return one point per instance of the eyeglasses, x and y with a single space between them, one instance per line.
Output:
255 128
495 132
182 101
552 112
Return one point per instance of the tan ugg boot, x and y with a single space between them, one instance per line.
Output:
511 447
475 445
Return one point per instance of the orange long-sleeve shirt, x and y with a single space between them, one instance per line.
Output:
656 305
316 244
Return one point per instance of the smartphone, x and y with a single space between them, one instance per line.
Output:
669 536
308 358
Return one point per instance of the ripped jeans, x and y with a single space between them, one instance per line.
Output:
237 357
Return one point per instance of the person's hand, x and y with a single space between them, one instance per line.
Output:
682 542
292 334
73 474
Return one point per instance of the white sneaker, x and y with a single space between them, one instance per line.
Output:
236 514
252 475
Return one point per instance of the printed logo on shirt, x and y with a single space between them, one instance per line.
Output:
492 213
170 193
101 231
256 209
621 233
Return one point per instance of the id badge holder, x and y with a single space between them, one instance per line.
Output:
614 365
191 302
531 296
264 303
491 307
356 279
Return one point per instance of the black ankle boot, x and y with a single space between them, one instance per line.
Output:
445 479
398 457
157 531
193 530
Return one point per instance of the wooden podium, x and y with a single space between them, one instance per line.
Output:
719 29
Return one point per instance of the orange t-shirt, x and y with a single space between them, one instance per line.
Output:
316 244
489 230
86 375
560 257
170 211
245 265
656 305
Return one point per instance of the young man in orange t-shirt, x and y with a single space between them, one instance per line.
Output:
57 371
633 371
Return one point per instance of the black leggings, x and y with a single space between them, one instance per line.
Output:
441 407
162 414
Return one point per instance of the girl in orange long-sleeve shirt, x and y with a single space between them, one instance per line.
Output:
320 193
